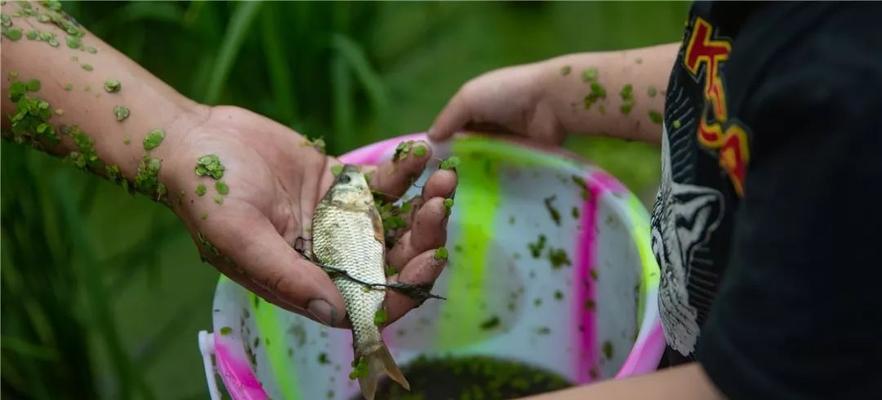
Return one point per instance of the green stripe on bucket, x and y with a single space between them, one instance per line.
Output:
476 203
284 373
640 235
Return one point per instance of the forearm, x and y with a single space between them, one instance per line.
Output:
617 93
686 382
72 82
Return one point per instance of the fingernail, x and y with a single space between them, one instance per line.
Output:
322 311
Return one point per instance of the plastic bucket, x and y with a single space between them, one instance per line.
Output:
579 303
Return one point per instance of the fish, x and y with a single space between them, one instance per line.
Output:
348 236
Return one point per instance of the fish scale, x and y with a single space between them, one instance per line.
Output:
351 246
348 235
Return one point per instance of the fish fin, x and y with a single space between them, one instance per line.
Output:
377 222
379 363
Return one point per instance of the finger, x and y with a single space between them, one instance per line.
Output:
392 178
269 261
226 266
452 118
429 231
422 270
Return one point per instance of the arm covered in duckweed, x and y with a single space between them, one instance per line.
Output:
616 93
243 185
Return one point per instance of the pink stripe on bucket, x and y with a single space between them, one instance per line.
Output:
587 330
235 370
645 355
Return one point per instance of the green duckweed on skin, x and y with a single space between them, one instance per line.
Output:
590 74
74 42
32 35
226 330
380 317
31 118
627 95
448 206
336 169
5 21
565 70
112 86
222 188
153 139
597 93
402 150
210 165
440 254
121 112
68 87
91 50
87 67
200 190
406 207
12 33
317 143
450 163
147 177
651 91
219 199
655 117
419 150
115 176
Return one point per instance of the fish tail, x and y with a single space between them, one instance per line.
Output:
379 362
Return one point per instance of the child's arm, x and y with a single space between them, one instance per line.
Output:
618 94
686 382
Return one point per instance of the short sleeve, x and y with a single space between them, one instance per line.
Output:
799 311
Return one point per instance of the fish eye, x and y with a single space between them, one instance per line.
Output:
345 178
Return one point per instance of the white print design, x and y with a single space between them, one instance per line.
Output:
683 219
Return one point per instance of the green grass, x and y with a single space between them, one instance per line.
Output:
102 293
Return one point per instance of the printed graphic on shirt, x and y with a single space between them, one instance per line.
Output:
683 219
704 156
703 58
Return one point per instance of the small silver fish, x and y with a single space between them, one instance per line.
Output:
348 235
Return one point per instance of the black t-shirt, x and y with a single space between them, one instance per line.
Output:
768 222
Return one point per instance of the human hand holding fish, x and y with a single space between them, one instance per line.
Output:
275 181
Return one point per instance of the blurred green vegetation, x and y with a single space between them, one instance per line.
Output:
103 293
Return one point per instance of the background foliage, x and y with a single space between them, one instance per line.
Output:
103 293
